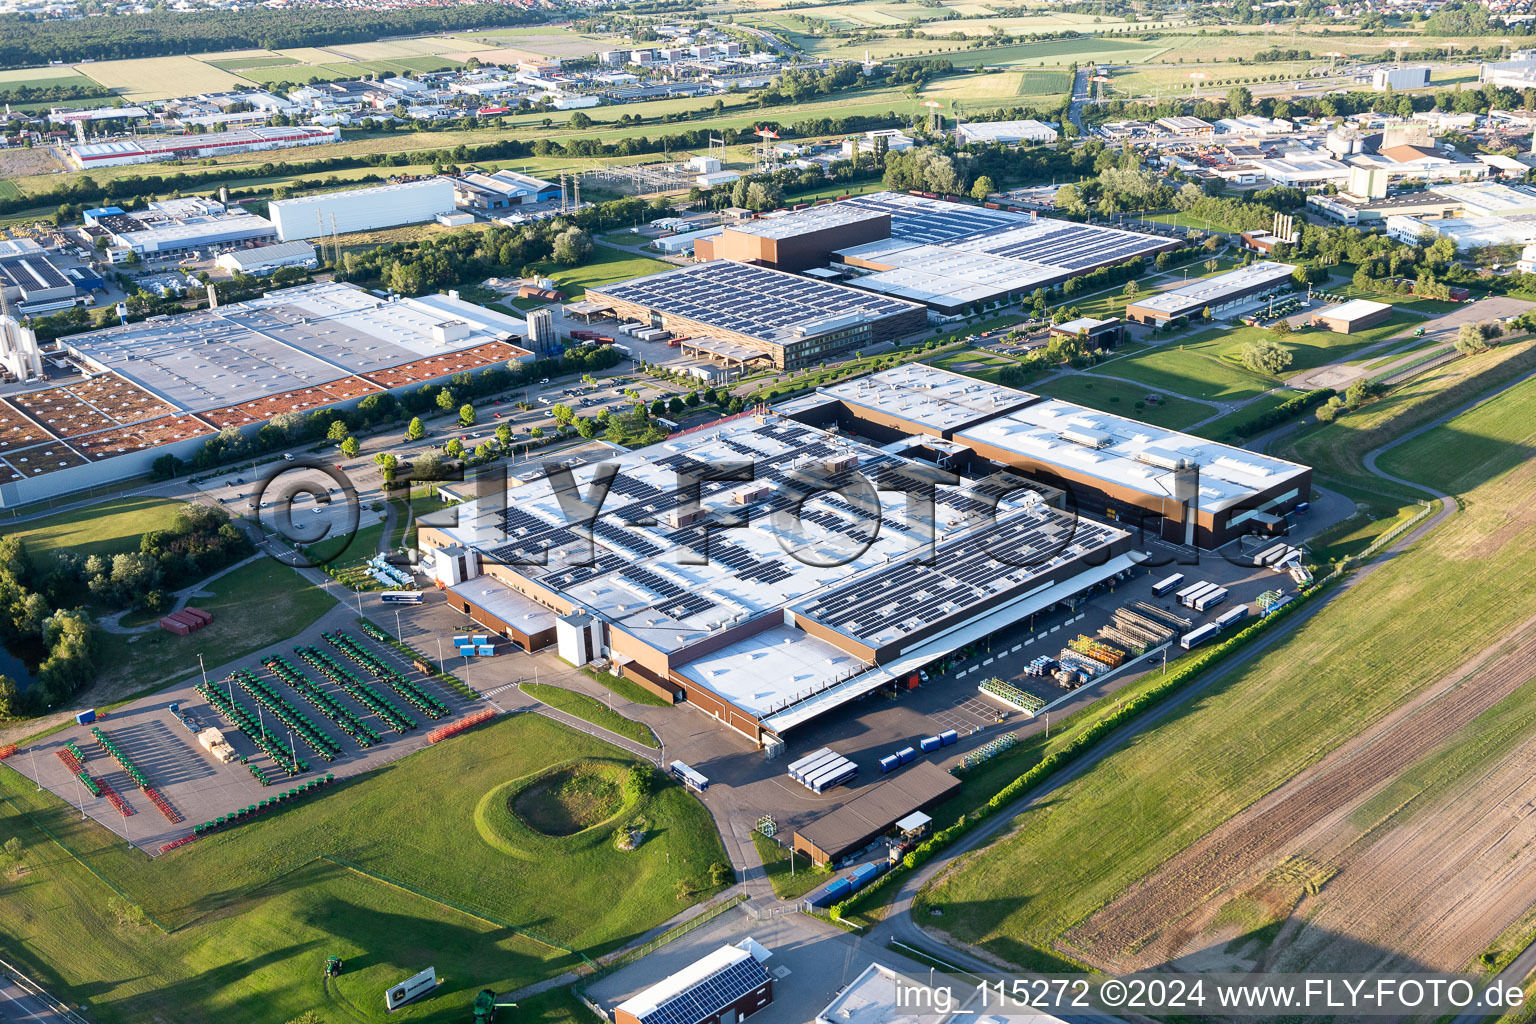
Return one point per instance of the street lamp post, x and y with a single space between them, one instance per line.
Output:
399 634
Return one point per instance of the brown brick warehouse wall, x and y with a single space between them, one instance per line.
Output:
1093 496
797 252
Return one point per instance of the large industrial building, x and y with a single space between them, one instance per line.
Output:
361 209
739 312
503 190
952 257
164 386
175 227
948 256
838 543
194 147
1223 295
797 240
1006 133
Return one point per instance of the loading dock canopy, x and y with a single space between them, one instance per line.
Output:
730 351
855 824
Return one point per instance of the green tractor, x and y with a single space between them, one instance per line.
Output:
1419 333
333 966
486 1004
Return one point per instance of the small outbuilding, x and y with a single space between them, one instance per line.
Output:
1354 315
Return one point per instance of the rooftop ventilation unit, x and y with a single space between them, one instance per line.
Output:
1085 437
1161 460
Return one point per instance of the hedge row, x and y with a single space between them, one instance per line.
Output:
1187 670
1281 413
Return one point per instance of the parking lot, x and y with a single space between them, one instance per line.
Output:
199 787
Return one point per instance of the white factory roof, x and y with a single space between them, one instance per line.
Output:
950 276
1129 453
287 340
1354 309
262 255
1490 198
1471 232
1083 323
871 999
1213 291
759 673
382 193
1006 131
937 399
506 604
813 218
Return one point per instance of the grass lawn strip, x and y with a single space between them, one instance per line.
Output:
589 709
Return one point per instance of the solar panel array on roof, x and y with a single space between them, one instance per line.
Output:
916 219
31 273
909 596
1066 245
752 301
710 995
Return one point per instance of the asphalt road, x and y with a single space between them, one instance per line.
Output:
16 1004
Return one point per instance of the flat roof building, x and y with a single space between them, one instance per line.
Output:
1220 294
1190 490
795 240
362 209
502 190
772 600
264 259
1007 133
1352 316
952 257
172 227
797 321
152 149
871 999
164 386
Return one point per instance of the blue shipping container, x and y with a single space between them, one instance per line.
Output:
86 717
831 893
929 743
460 641
485 650
890 763
948 736
866 873
906 754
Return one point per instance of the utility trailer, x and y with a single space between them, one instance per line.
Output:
1210 599
1199 636
1163 586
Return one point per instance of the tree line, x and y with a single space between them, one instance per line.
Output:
42 608
27 40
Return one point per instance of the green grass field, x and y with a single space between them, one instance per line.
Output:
253 912
288 605
1456 456
104 529
1155 795
590 709
1188 369
1222 429
605 267
1123 399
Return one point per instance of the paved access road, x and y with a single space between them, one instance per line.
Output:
18 1004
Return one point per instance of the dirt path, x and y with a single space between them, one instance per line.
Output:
1156 918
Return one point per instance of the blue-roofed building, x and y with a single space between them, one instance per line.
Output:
726 986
